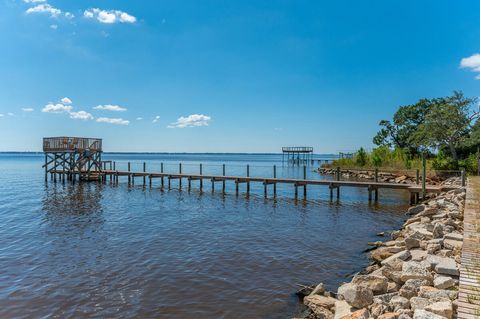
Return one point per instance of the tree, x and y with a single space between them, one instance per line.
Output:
405 123
446 124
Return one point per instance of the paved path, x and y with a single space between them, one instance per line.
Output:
469 290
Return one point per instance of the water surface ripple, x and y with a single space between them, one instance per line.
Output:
97 251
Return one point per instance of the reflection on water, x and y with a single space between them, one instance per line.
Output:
89 250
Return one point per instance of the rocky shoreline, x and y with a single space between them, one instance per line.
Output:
413 275
383 177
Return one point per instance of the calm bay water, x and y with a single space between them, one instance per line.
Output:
95 251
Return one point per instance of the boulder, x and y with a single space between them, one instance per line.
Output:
447 266
415 270
396 259
438 231
452 244
380 254
418 303
411 287
318 290
416 209
454 236
377 284
434 294
393 275
441 308
412 242
422 314
342 309
399 303
357 296
418 254
315 301
389 315
443 282
359 314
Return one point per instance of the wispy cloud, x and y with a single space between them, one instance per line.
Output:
1 115
45 8
156 119
34 1
56 108
109 16
108 107
116 121
473 63
27 109
66 100
81 115
139 118
192 120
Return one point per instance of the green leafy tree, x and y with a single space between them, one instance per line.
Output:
398 133
446 124
361 157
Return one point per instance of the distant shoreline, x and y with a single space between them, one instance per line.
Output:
167 153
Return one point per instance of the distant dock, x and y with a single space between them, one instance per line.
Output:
72 159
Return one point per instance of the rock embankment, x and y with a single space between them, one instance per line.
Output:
415 275
383 177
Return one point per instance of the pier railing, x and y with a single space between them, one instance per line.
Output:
65 144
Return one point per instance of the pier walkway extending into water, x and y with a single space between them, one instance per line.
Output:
113 176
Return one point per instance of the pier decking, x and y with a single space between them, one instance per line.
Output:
334 185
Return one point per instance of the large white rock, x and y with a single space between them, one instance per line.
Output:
418 303
378 284
315 301
443 282
396 259
342 309
399 303
441 308
356 296
447 266
415 270
422 314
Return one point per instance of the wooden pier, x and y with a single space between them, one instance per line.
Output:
72 158
297 155
113 176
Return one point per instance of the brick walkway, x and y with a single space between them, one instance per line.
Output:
469 290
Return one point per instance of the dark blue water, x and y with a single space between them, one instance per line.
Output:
96 251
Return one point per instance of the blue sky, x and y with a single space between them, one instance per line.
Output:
226 76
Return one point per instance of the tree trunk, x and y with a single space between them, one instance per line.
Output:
453 151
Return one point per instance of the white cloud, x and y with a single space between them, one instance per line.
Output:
108 107
27 109
156 119
69 15
473 63
116 121
10 114
191 121
81 115
56 108
54 26
139 118
66 100
109 16
45 8
34 1
1 115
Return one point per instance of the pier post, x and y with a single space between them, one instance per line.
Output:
248 181
305 185
424 175
189 185
369 193
463 177
338 173
265 188
223 183
144 170
162 180
169 183
201 179
46 168
275 183
129 178
213 184
417 176
296 191
180 178
236 187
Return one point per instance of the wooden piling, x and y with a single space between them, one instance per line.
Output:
201 179
180 179
274 184
223 182
162 181
128 169
144 170
248 181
